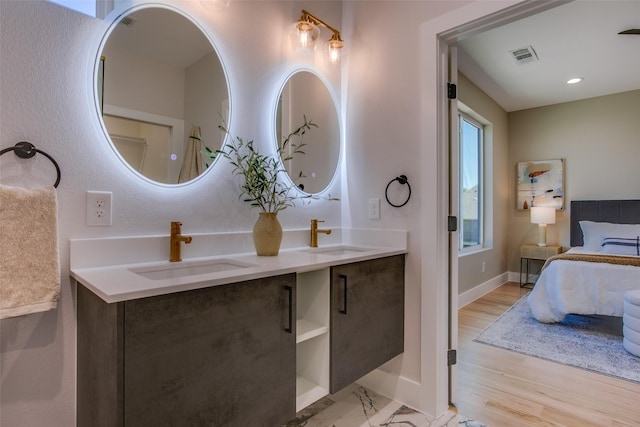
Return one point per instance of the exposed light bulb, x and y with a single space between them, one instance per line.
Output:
334 50
304 39
574 80
334 55
303 36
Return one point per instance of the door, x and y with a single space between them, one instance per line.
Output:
367 318
219 356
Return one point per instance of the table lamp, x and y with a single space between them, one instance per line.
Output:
543 215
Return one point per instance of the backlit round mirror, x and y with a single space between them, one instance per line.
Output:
304 94
162 91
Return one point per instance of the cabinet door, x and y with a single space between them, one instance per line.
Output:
99 361
219 356
367 317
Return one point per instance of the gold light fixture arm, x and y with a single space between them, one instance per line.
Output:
308 17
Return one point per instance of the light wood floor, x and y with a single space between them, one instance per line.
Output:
503 388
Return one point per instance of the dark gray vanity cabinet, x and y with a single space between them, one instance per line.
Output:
218 356
367 317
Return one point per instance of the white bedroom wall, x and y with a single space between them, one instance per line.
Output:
597 137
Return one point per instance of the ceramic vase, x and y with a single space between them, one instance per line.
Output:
267 234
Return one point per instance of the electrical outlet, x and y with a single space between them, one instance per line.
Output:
483 267
374 208
98 208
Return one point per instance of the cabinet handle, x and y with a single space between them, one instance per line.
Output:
344 280
289 290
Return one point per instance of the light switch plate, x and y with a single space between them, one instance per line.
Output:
374 208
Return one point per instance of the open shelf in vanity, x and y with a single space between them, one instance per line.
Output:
312 337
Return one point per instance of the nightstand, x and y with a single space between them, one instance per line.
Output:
532 252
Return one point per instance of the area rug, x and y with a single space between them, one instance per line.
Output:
593 343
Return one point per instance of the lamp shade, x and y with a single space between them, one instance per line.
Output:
543 215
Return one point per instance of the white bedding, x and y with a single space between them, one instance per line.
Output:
580 287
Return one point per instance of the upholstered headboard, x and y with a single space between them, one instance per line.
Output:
615 211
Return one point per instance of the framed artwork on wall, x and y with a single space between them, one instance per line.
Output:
540 183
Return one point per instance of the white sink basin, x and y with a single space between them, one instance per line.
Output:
338 251
188 268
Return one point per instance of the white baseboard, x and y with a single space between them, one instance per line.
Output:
514 276
398 388
484 288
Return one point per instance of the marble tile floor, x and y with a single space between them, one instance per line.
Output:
360 407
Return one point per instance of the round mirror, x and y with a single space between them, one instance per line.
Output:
161 93
304 95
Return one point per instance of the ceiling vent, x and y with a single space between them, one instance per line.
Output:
524 55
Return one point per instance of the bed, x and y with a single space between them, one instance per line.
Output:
591 278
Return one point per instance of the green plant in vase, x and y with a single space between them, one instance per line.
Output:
262 186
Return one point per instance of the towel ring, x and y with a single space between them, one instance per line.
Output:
26 150
402 179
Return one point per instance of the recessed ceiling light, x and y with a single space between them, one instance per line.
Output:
574 80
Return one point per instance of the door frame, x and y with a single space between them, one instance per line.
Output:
453 175
437 35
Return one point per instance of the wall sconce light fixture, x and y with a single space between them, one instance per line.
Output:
306 31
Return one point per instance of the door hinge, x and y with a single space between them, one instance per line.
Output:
452 91
452 357
452 223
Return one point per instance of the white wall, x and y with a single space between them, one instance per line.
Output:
384 137
206 99
47 56
135 86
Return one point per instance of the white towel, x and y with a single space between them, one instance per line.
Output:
29 261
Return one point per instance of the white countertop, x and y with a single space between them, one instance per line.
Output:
117 281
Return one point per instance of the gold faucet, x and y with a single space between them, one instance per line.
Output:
176 238
314 232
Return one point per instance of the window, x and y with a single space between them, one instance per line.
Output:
471 137
88 7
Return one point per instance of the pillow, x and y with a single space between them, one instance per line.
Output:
594 232
621 246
